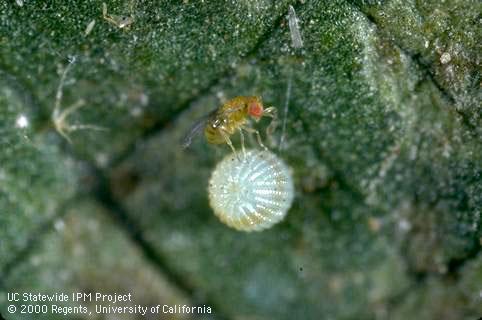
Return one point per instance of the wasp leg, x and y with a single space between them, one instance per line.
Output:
271 112
242 142
258 136
228 141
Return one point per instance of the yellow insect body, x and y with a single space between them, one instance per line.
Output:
228 119
233 116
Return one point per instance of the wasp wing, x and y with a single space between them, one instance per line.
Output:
196 129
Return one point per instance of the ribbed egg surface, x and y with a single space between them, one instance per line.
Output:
251 193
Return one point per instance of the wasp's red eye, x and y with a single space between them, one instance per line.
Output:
255 109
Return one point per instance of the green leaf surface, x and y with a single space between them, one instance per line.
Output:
79 255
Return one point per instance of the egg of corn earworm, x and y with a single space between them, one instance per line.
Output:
251 193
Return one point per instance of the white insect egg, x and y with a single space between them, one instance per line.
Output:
251 193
